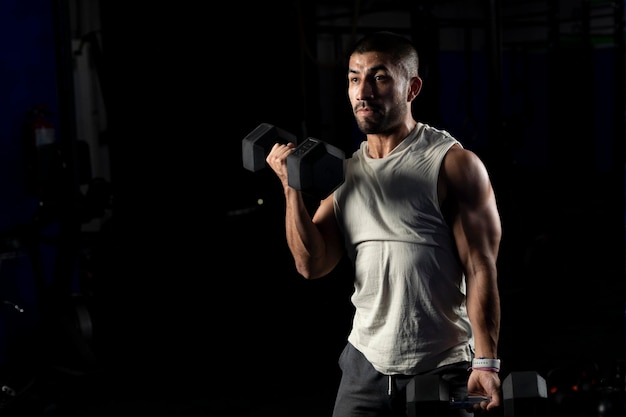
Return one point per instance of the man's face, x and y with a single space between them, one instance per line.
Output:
377 89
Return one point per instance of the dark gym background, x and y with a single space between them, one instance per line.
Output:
139 274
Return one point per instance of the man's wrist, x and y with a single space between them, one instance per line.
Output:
486 364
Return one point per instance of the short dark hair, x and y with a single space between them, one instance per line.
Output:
399 47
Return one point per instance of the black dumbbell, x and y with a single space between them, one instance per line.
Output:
524 394
314 167
428 395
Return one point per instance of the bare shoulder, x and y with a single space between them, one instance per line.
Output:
462 169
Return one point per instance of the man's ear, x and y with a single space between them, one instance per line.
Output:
415 86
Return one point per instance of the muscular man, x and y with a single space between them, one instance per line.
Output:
417 216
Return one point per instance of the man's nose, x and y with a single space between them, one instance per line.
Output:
365 91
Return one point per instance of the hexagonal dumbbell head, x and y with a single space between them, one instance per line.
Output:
316 168
257 144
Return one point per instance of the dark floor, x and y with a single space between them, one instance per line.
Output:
64 393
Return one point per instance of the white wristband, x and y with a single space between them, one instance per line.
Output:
486 364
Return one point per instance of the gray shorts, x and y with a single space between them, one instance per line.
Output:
365 392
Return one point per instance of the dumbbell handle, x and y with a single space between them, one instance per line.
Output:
469 401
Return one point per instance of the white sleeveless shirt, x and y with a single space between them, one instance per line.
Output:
409 289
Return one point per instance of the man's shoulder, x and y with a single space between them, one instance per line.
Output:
434 135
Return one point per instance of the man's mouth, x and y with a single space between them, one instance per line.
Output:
363 108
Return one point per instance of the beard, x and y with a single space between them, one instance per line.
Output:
379 121
368 126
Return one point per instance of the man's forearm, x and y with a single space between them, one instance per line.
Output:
303 237
484 313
